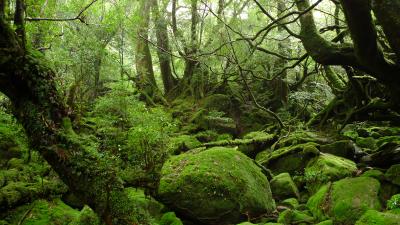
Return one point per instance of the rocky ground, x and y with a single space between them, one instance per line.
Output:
295 177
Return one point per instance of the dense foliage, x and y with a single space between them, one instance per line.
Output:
171 112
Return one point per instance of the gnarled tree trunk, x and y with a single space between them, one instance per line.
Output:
39 107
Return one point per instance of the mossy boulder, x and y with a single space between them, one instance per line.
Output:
374 173
170 218
302 137
386 155
283 187
326 167
43 212
183 143
393 174
146 203
260 141
366 142
346 200
290 159
295 217
344 148
292 203
373 217
216 186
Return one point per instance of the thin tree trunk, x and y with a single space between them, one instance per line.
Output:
280 85
190 62
163 45
144 65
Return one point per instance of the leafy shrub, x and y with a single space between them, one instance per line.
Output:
394 202
131 130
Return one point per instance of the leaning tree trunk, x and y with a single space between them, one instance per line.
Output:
38 106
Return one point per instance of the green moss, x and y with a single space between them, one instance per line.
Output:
302 137
294 217
393 174
170 218
43 212
346 200
290 202
283 187
394 202
368 142
374 173
326 222
217 102
387 139
15 163
352 134
146 203
325 168
206 136
344 148
317 203
216 185
373 217
287 159
183 143
87 217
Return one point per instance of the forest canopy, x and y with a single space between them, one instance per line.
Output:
169 112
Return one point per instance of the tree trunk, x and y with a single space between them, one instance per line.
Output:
280 85
38 106
163 48
190 62
144 64
364 54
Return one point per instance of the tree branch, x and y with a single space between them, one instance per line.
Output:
77 17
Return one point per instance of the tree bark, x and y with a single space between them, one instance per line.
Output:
387 12
280 85
144 65
190 62
164 48
39 107
364 54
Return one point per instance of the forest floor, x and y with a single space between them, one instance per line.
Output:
209 170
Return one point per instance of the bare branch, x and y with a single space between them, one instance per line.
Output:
77 17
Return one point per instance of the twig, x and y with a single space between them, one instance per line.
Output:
26 214
78 17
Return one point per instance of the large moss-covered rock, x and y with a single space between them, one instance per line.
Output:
282 187
292 159
393 174
345 200
216 186
373 217
326 167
